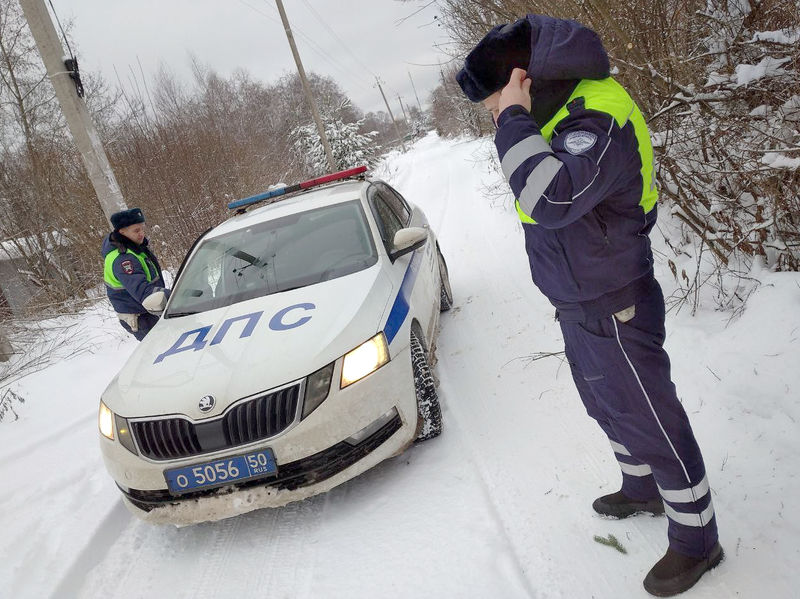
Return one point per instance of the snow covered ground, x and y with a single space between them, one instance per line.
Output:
498 507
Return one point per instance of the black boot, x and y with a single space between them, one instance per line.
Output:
675 573
618 505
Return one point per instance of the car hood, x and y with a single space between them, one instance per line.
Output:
248 347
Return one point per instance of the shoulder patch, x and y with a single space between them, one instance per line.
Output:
127 267
577 142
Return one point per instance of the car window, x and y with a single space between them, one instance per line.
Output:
388 221
286 253
395 202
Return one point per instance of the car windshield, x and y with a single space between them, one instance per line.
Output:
270 257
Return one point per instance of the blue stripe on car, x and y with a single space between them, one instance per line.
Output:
400 308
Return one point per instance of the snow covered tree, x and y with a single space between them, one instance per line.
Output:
452 113
350 147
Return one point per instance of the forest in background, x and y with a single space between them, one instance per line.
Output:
180 151
717 81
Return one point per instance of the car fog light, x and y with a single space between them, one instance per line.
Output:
105 420
365 359
317 386
371 428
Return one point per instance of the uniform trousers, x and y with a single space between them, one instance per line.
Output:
622 373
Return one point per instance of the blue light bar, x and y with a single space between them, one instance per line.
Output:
257 198
352 172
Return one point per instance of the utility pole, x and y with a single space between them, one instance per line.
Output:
415 92
403 108
306 87
72 105
6 349
396 129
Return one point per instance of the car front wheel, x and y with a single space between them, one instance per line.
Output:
428 408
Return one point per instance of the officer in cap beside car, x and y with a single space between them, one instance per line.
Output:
576 152
132 274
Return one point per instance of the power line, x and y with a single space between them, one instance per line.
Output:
64 35
351 75
314 47
321 52
399 22
316 15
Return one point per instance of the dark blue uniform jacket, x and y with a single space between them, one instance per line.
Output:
590 248
136 286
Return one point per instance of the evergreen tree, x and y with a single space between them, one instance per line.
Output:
350 147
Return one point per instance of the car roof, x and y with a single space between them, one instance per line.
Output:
335 193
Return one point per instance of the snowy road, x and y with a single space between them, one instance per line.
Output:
497 507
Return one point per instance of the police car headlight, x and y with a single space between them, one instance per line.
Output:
105 420
365 359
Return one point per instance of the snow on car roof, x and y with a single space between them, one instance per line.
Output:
316 198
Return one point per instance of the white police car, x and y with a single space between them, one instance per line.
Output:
293 355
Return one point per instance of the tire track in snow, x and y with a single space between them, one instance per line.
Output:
105 535
290 562
481 413
432 194
443 189
485 331
268 549
491 500
41 443
210 584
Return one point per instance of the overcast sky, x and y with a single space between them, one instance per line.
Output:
348 40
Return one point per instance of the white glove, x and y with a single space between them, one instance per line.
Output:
132 320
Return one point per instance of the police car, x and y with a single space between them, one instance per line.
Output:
293 354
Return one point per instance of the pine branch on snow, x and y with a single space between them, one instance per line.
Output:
611 541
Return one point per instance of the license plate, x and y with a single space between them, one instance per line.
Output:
221 472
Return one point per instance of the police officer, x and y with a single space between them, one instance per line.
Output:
132 274
576 152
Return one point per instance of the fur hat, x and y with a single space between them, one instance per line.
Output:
488 66
126 218
549 50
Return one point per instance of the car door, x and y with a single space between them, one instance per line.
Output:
412 272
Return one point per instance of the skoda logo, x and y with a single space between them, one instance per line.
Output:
207 403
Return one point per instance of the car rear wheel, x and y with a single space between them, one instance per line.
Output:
445 292
430 412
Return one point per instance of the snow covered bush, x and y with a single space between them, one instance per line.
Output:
729 153
720 86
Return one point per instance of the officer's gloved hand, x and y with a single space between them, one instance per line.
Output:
155 302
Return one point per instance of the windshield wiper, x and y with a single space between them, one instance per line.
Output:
187 313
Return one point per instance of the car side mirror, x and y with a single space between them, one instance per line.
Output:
155 302
407 240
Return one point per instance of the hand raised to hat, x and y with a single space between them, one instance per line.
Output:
517 91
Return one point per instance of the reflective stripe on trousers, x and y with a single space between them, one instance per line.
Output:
623 377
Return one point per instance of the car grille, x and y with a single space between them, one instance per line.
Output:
291 476
252 420
167 438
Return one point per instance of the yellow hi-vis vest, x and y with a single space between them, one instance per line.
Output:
606 95
108 271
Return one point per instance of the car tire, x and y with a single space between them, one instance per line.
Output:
445 292
429 424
